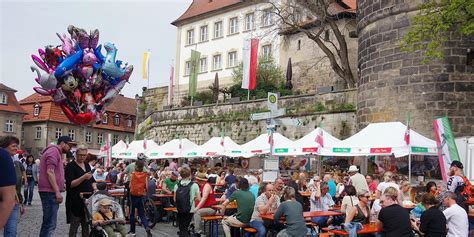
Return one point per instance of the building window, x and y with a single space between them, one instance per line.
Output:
216 62
267 51
203 65
187 68
129 122
38 132
203 34
105 118
88 137
100 138
72 134
233 25
116 139
3 98
249 21
190 37
36 110
267 19
232 59
218 29
117 120
59 132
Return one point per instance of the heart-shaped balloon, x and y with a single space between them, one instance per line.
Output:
83 118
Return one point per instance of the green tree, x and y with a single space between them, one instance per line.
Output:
270 78
429 27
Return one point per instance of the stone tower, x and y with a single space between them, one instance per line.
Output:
393 83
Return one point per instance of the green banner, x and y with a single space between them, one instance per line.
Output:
192 153
193 72
341 150
281 150
236 152
154 154
417 149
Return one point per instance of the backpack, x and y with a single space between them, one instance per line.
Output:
183 196
138 183
112 176
467 191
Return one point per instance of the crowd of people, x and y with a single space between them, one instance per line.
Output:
437 209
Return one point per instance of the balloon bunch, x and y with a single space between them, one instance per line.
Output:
79 78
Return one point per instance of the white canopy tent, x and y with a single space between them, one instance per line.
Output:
139 146
383 139
175 148
282 146
216 146
119 147
308 145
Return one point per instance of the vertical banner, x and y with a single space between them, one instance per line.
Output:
171 86
108 150
447 150
250 61
195 56
145 65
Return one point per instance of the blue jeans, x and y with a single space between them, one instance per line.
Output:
258 225
352 228
137 203
10 227
50 213
321 221
28 191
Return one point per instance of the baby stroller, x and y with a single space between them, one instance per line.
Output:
92 205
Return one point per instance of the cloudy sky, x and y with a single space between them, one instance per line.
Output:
133 26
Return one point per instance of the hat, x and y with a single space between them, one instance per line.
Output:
105 202
175 173
457 163
201 176
141 156
353 168
65 139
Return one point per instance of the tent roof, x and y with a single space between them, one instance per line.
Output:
120 146
136 147
172 148
308 144
213 147
384 139
282 146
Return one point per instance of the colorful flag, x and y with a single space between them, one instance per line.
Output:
270 139
222 137
319 137
144 144
145 65
447 150
193 72
171 86
407 132
250 60
106 149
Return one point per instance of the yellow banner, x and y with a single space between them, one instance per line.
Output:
145 64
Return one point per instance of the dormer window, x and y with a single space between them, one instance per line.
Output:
116 119
129 122
36 110
105 119
3 98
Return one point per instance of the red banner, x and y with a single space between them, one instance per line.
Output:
384 150
310 149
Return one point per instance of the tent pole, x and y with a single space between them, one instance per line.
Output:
409 167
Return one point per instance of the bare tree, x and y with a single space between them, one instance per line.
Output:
321 15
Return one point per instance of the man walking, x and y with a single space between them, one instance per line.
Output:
51 183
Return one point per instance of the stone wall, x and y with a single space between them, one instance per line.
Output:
394 83
155 98
335 110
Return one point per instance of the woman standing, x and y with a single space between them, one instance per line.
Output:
31 178
79 179
138 189
433 221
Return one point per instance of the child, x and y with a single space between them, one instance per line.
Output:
103 215
138 190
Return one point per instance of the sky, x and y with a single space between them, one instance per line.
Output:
133 26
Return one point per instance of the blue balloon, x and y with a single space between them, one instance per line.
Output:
109 66
68 63
99 55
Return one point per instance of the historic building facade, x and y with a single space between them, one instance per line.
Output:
11 113
217 29
45 122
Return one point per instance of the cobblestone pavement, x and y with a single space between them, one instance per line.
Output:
30 223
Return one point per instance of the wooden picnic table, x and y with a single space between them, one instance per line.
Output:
159 195
232 205
307 214
366 229
305 193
